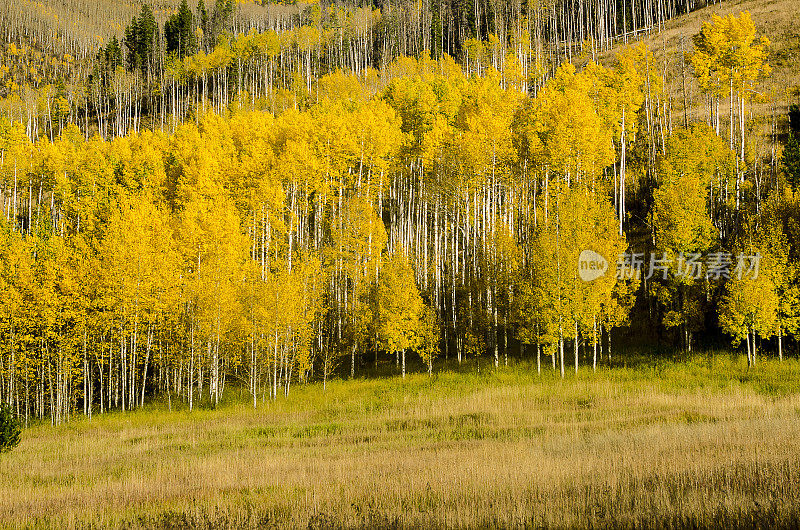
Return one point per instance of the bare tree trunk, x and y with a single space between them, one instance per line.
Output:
146 361
561 349
576 347
353 361
622 161
749 356
594 341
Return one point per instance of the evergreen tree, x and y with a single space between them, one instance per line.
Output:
203 25
179 32
790 161
10 429
141 42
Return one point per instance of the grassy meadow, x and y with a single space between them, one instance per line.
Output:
703 442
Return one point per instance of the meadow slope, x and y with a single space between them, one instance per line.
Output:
778 20
704 442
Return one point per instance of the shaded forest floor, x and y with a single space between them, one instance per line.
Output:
700 442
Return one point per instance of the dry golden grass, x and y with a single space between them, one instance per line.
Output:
703 443
779 21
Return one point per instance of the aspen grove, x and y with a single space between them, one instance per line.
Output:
288 223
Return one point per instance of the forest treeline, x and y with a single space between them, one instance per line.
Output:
443 215
109 67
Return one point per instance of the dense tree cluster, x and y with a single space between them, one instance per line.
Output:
432 210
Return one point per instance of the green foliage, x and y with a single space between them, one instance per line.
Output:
794 119
790 160
10 429
178 32
112 55
140 41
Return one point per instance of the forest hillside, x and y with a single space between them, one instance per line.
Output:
399 264
270 195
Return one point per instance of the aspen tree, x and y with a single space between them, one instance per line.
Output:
728 57
398 308
682 225
748 308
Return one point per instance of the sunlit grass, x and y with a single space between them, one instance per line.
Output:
698 442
